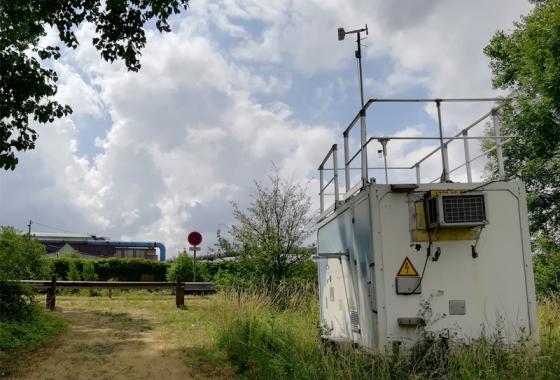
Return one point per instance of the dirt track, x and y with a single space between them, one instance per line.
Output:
111 339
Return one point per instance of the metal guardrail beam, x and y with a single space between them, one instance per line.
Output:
193 286
180 287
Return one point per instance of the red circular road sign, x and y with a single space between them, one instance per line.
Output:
194 238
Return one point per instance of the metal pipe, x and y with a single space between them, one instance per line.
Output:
467 156
383 143
443 146
346 163
321 200
121 244
335 166
457 135
129 244
375 167
441 100
417 173
499 152
363 149
359 56
328 183
448 139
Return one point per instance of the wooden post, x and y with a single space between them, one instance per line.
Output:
51 294
179 294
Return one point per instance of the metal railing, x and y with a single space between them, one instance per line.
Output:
51 287
384 140
332 153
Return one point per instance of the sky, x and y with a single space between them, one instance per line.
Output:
238 88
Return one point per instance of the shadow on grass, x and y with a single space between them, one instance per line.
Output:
208 362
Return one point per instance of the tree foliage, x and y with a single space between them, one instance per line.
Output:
526 62
270 234
21 258
546 265
28 84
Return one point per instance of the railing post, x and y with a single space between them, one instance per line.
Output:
346 165
467 156
335 167
417 166
363 147
499 152
321 181
179 294
443 146
384 146
51 294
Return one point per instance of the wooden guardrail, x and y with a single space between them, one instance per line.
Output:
180 287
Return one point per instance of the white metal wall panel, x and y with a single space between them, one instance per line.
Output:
335 282
494 286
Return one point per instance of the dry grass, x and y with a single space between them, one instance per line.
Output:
132 336
142 335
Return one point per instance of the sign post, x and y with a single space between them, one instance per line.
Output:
194 239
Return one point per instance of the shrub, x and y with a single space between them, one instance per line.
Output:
546 265
88 272
120 269
73 271
183 270
20 258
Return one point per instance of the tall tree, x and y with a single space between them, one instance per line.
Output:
28 86
527 63
273 229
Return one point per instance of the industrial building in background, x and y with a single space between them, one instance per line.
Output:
94 247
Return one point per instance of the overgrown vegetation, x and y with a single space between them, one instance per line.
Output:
22 324
105 269
20 258
265 342
28 333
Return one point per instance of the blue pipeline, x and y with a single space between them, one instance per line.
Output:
131 244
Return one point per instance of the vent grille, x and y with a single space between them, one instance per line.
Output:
355 321
461 209
432 210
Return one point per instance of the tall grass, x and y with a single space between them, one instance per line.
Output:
277 337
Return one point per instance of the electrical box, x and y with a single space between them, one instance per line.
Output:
395 262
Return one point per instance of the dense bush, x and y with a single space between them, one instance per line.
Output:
113 268
183 269
20 258
546 265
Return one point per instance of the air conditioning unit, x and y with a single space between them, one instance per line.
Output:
456 210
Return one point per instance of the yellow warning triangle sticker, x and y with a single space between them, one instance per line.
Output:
407 269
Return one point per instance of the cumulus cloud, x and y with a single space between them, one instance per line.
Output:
204 118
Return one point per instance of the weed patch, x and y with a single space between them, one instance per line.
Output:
29 334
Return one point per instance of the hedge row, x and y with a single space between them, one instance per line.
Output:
119 269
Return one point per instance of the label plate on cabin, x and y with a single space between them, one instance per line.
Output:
407 269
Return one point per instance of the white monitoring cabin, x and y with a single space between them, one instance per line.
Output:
448 258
